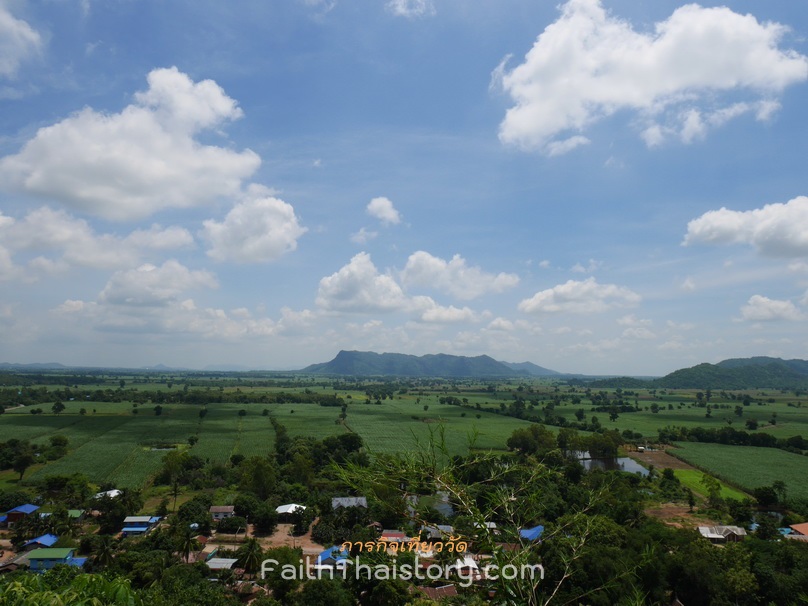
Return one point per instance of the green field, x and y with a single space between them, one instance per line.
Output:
790 420
691 478
111 444
748 467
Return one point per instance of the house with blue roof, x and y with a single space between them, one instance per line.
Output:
46 540
333 558
531 534
19 513
138 525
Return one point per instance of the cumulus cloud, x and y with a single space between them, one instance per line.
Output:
18 41
588 65
500 323
359 287
411 8
763 309
382 209
149 285
447 315
580 297
776 230
145 159
73 242
261 228
454 277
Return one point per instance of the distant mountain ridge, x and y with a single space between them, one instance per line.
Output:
734 373
532 369
368 363
32 366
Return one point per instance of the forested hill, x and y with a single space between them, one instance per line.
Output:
736 373
368 363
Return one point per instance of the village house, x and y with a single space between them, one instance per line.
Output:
338 502
289 509
46 540
18 513
40 560
722 534
138 525
220 512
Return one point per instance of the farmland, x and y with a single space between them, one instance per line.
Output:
116 436
749 467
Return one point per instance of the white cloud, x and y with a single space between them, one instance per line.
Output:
454 277
688 284
588 269
8 271
638 332
149 285
411 8
140 161
75 243
589 65
359 287
447 315
632 320
760 309
502 324
580 297
776 230
382 209
363 236
260 228
18 41
559 148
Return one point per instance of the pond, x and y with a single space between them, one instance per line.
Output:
615 464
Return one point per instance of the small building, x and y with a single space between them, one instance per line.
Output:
220 512
394 536
289 509
800 529
438 532
334 558
110 494
138 525
46 540
722 534
465 567
338 502
75 515
221 563
18 513
40 560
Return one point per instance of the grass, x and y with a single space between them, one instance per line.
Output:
748 467
691 478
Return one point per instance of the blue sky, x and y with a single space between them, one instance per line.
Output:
605 187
